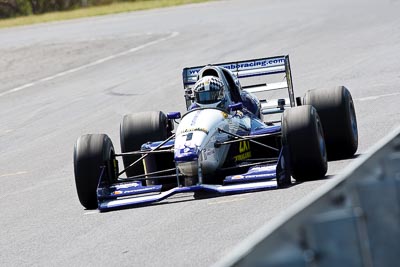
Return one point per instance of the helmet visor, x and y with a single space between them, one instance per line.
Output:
208 97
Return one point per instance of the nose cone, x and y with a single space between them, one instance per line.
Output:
187 153
193 135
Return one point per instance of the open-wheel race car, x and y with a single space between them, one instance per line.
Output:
230 140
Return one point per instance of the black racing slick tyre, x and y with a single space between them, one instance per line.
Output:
91 153
137 129
335 107
303 134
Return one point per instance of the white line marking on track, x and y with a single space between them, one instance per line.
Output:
369 98
13 174
94 63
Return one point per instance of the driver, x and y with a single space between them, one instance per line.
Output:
209 92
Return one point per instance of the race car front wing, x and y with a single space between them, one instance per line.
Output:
134 193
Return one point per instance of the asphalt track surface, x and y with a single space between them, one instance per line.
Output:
64 79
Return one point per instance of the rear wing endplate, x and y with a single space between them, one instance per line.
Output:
246 69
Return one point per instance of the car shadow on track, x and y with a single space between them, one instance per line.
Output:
189 197
349 158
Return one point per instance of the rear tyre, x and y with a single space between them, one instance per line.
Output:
137 129
337 113
91 152
302 133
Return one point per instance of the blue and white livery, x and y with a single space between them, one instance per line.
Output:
248 142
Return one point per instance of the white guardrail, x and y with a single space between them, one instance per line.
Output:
352 220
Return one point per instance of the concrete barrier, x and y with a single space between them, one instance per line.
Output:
353 220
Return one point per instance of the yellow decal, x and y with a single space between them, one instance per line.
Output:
244 150
243 156
244 146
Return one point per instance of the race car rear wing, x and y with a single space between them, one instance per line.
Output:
246 69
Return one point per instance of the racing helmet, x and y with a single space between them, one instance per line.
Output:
209 92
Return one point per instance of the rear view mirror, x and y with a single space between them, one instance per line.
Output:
173 115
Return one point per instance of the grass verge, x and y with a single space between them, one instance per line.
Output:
118 7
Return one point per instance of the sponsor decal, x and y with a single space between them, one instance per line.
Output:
194 130
194 71
244 146
243 156
254 176
143 189
189 136
236 177
247 65
135 190
244 151
121 186
188 149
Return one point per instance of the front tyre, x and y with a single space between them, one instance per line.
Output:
91 153
302 133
